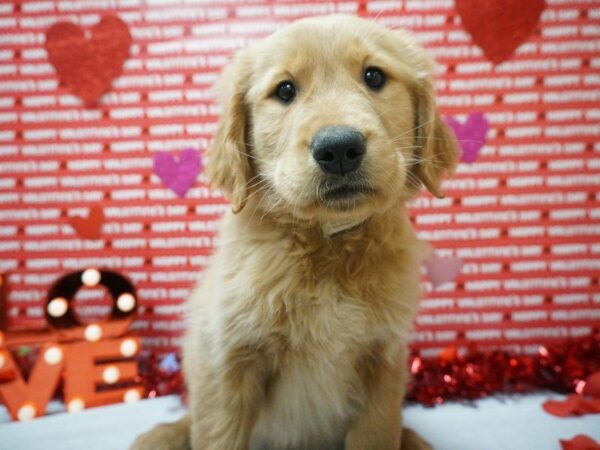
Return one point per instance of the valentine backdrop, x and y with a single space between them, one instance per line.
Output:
106 108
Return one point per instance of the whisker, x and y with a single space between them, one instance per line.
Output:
254 157
262 188
418 126
275 204
247 185
266 193
457 140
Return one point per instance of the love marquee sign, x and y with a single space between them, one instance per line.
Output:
94 361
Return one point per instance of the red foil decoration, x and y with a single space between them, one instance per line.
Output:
573 405
453 376
580 442
478 374
158 381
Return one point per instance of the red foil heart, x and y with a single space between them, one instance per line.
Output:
87 66
499 26
579 442
576 405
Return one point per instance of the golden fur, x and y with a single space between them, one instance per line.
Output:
297 339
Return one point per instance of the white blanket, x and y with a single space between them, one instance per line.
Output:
514 423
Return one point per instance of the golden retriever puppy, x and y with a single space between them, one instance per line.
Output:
297 336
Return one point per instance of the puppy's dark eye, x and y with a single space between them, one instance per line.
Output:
286 91
374 78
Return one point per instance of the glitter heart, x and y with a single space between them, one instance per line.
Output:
470 135
87 66
178 175
498 27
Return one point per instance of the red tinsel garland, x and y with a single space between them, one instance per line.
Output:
158 381
561 367
479 373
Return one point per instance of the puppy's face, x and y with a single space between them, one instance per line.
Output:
331 118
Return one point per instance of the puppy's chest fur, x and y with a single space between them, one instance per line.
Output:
313 386
314 315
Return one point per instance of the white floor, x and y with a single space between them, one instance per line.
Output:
515 423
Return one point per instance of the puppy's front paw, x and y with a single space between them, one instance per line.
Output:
166 436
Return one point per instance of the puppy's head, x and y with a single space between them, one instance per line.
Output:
331 118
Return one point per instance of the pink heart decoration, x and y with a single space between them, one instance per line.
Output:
470 135
178 175
442 270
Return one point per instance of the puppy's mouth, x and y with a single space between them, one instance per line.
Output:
340 194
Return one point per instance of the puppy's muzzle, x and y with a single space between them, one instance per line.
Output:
338 149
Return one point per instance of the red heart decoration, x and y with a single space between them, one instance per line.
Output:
562 408
579 442
87 66
89 227
499 26
574 404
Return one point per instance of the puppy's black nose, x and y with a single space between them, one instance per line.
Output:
338 149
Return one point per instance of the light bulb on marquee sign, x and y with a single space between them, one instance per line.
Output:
90 277
26 412
53 355
126 302
57 307
111 375
128 347
76 405
71 349
93 332
132 395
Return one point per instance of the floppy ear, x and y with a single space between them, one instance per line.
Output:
436 152
228 167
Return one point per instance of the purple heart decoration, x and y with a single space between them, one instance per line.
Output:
470 135
178 175
442 270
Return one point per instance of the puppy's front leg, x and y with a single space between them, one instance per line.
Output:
226 404
379 426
